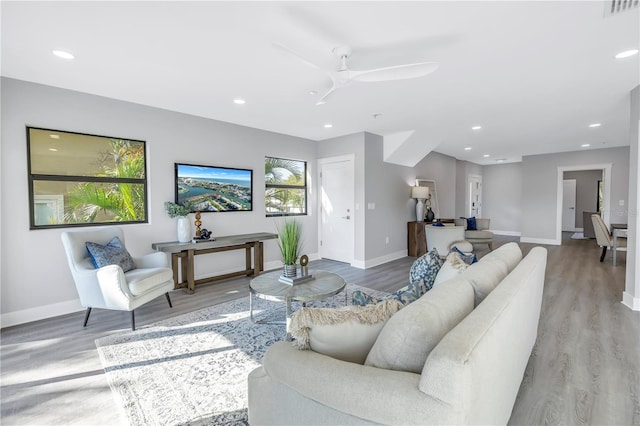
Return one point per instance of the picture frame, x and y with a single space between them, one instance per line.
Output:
432 201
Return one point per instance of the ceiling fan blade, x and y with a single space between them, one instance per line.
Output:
323 99
296 55
396 72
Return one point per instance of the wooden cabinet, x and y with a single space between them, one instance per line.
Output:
416 239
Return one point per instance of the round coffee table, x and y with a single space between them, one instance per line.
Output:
267 286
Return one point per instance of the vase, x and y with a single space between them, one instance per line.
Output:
430 215
184 229
290 271
420 210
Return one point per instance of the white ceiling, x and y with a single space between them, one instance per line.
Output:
534 75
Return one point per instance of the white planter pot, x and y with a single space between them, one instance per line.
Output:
184 229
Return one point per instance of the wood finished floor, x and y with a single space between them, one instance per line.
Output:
584 369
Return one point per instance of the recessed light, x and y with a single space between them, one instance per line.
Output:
63 54
313 92
486 156
321 102
53 150
626 54
239 101
501 160
585 145
476 128
328 126
595 125
54 136
467 148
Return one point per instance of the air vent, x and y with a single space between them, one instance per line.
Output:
614 7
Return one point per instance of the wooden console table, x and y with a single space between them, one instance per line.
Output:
416 239
184 254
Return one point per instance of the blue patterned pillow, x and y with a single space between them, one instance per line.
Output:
468 258
405 295
113 253
426 268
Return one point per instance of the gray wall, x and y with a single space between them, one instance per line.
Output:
36 281
441 169
461 188
502 195
540 191
389 187
586 192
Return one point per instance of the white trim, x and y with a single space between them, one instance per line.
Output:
379 260
606 196
631 302
508 233
41 312
544 241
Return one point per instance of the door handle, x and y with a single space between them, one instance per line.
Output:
346 217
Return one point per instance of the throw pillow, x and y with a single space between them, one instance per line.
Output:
453 266
468 258
346 333
438 224
425 268
471 224
113 253
408 337
405 295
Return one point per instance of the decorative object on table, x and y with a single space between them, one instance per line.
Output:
431 216
289 241
432 199
181 212
198 223
205 235
420 193
304 265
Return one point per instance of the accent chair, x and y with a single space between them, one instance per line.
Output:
110 287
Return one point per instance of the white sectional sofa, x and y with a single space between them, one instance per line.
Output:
471 375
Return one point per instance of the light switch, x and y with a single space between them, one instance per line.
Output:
621 202
371 206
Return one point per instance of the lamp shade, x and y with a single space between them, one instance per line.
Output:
420 192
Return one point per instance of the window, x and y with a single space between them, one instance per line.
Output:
285 187
80 180
599 200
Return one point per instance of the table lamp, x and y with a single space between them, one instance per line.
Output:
420 193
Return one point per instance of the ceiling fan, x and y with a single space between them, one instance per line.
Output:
345 76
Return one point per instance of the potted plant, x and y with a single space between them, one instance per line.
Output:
289 241
181 212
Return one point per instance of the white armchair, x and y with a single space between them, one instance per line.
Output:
109 287
442 237
604 238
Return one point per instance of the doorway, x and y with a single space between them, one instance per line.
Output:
337 216
475 196
569 205
605 171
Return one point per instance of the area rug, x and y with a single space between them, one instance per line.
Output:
192 369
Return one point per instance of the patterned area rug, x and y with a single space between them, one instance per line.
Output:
192 369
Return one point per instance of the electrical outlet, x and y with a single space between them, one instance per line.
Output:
621 202
386 240
371 206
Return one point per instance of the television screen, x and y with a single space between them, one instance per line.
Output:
214 189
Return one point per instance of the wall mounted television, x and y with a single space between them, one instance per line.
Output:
214 189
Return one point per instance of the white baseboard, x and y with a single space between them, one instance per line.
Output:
41 312
379 260
508 233
548 242
631 302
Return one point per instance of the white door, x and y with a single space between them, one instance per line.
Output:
475 196
337 232
569 205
